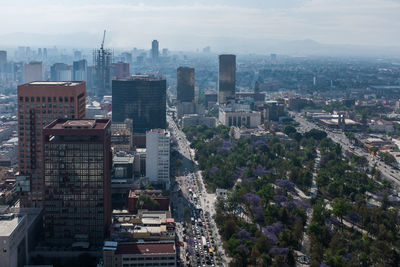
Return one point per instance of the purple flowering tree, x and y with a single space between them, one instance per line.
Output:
285 184
259 170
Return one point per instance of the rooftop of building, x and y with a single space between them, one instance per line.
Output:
152 193
145 77
51 83
96 124
9 222
123 159
146 248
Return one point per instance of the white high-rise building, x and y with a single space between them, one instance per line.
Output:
158 155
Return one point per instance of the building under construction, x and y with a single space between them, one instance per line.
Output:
102 59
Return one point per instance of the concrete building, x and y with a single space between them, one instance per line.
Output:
145 226
40 103
33 71
139 254
239 117
142 99
19 230
381 126
121 136
77 177
195 120
120 70
185 84
157 158
60 72
186 108
157 195
79 70
226 78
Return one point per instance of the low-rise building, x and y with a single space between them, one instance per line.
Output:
148 226
139 254
239 117
157 195
381 126
195 120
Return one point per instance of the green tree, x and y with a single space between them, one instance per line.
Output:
341 208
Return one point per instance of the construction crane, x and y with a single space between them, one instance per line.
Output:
104 37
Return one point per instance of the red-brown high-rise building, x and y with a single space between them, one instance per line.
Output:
77 181
40 103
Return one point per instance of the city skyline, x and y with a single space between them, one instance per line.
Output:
252 27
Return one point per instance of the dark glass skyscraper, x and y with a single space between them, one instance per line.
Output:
141 98
226 78
77 177
155 51
185 84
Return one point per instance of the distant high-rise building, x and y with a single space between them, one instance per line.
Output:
165 52
102 71
39 103
142 99
154 51
127 57
33 71
207 49
77 181
273 57
3 57
185 84
120 70
44 53
79 70
60 72
226 78
77 55
157 157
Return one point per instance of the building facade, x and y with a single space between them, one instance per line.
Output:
77 175
240 118
40 103
155 52
60 72
79 70
157 158
142 99
226 78
33 71
139 254
185 84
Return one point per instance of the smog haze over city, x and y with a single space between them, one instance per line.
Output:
297 27
207 133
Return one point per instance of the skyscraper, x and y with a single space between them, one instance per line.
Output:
102 71
141 98
226 78
60 72
77 181
39 103
33 71
154 51
79 70
185 84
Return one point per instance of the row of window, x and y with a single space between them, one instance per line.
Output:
27 106
49 99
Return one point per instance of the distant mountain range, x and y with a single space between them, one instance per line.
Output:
305 47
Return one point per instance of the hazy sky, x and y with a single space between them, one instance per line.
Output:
189 24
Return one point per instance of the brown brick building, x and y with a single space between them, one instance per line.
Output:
40 103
